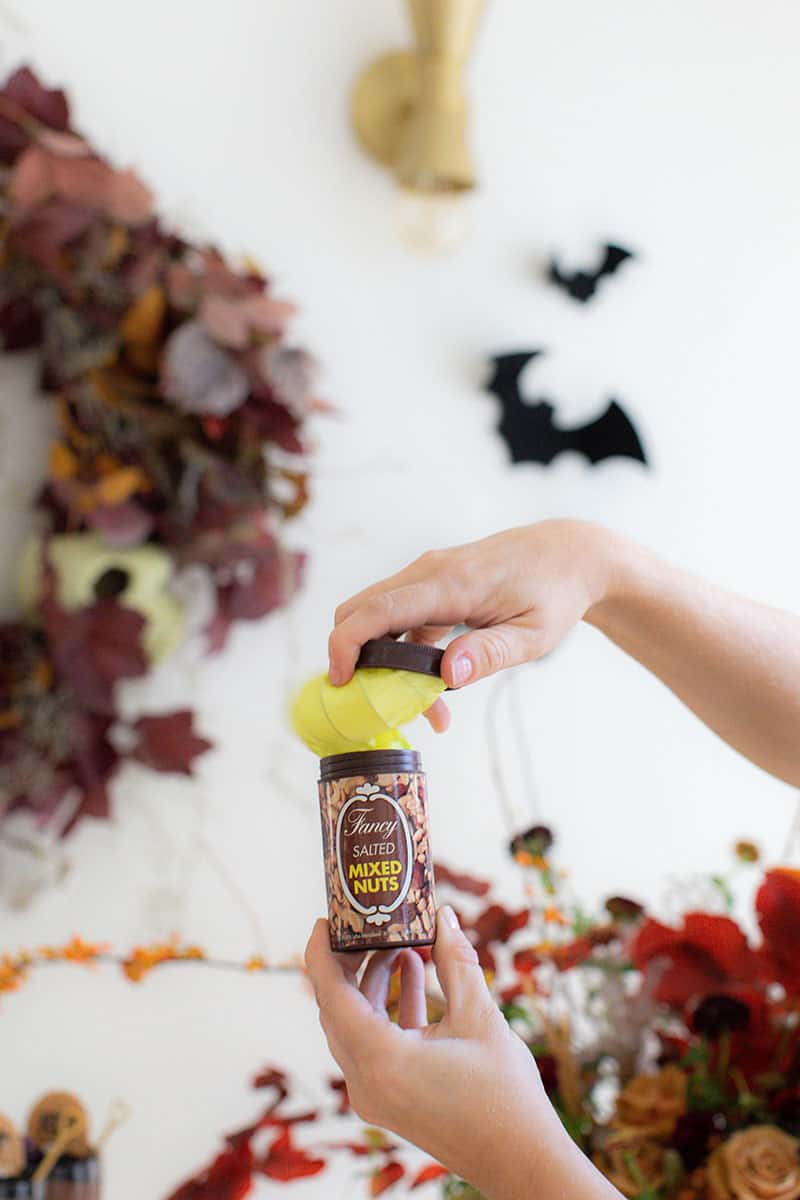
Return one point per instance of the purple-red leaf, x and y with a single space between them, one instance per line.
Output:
94 648
169 743
29 98
201 377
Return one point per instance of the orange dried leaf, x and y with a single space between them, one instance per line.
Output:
142 326
120 485
63 463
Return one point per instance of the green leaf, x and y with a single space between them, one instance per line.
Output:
723 887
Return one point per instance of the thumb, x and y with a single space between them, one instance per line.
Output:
459 972
484 652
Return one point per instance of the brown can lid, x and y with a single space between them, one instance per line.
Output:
401 656
370 762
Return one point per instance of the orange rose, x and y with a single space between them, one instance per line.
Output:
634 1168
650 1105
759 1163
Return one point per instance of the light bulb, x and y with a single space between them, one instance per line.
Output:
433 223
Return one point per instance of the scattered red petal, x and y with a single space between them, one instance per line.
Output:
286 1161
385 1178
429 1173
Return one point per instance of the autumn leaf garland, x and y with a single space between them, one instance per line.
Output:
178 400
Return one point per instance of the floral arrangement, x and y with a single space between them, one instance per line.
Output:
180 413
670 1051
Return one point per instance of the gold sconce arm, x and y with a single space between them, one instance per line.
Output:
409 109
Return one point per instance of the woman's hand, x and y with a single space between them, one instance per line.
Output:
519 592
465 1089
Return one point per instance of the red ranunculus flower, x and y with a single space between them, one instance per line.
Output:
707 955
778 908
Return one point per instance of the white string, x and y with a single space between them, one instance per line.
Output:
792 844
507 687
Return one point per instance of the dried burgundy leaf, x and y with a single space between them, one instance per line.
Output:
43 234
263 586
48 106
95 761
199 376
264 420
27 94
169 743
95 648
20 323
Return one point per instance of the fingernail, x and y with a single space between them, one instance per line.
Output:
462 669
449 917
335 675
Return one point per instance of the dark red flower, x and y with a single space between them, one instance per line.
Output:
708 954
720 1013
692 1135
778 909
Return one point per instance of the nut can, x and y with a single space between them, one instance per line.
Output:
378 869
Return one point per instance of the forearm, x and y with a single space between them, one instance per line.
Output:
544 1164
734 662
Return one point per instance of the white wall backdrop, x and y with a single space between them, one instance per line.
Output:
672 128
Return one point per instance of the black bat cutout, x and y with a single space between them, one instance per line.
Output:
533 436
582 285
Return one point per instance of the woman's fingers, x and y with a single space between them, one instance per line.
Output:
375 980
413 1009
483 652
460 975
347 1017
394 611
439 716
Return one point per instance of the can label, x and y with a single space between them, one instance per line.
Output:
377 861
374 853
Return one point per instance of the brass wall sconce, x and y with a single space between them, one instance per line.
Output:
409 112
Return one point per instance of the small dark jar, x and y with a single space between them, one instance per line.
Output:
378 870
74 1179
22 1189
